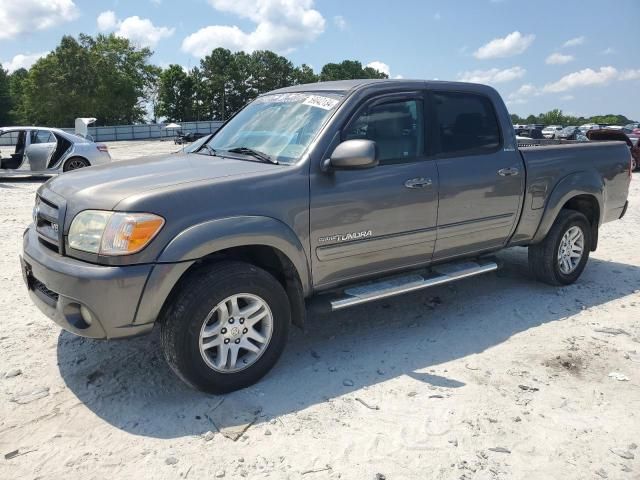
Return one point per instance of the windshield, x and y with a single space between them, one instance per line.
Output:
279 125
569 129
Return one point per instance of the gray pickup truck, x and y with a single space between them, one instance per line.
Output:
345 192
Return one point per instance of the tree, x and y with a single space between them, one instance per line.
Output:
17 85
103 77
304 74
122 72
5 98
61 86
348 70
176 94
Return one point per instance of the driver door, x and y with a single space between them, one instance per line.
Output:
41 148
366 222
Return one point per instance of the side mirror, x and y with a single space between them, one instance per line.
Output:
352 155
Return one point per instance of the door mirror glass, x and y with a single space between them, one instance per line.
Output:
353 154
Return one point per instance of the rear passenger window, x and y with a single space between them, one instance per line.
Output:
396 127
467 123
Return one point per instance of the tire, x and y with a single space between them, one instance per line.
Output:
75 163
544 259
201 296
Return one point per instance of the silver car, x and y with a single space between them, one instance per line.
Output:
41 151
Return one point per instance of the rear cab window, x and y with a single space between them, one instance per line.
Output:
466 124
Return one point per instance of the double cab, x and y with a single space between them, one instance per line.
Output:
340 192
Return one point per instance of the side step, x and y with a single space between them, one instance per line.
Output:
388 288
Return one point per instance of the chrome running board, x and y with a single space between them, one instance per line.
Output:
439 275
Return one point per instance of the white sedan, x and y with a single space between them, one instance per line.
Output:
38 151
551 131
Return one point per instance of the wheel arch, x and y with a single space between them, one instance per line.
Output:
583 192
264 242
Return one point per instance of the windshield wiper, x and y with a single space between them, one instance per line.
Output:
254 153
210 149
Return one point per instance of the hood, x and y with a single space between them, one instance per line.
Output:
104 186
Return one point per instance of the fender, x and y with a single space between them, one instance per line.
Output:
586 182
212 236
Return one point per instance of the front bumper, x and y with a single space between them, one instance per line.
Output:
70 291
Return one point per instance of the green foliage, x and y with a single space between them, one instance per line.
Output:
5 98
348 70
176 94
556 117
17 85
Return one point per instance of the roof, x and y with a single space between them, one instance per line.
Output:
69 136
10 129
344 86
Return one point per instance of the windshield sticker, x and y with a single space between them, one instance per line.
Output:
281 98
326 103
318 101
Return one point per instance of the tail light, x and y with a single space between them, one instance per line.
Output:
102 147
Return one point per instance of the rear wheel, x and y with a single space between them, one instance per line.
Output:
561 257
226 327
75 163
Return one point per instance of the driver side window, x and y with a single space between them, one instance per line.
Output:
396 127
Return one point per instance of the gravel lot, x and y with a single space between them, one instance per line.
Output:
497 377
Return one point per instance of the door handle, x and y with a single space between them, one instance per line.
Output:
508 172
418 182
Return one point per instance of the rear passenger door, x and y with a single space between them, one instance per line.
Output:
481 182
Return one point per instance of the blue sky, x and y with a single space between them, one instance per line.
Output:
578 55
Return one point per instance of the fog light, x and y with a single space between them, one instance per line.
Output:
86 315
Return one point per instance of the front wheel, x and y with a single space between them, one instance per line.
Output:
561 257
226 327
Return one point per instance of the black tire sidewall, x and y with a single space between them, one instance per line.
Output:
580 221
65 167
192 313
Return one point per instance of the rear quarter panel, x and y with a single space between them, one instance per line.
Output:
557 173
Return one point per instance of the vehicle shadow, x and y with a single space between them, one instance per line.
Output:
128 384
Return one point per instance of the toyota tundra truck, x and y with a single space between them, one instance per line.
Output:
336 193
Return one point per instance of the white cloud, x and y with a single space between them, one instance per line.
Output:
22 61
398 77
107 21
437 16
27 16
558 59
630 75
574 42
583 78
340 22
281 25
141 31
379 66
493 75
567 97
523 94
513 44
608 51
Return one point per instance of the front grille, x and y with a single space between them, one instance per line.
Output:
47 219
42 288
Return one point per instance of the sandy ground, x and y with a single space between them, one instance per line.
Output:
497 377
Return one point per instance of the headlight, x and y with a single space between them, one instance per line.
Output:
113 233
